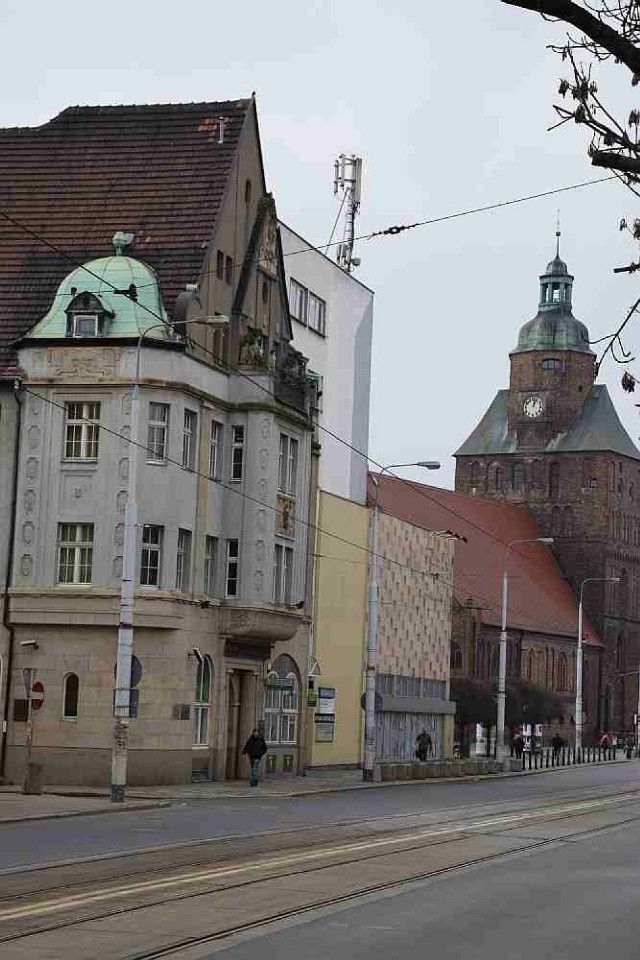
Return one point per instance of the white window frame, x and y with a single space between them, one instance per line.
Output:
281 711
237 452
210 565
288 464
317 314
78 319
81 430
205 673
299 301
157 432
75 553
151 548
216 440
232 560
183 560
282 573
189 439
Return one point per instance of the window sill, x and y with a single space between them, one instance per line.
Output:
236 479
157 463
84 461
69 719
200 746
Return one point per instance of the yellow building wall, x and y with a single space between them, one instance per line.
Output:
341 580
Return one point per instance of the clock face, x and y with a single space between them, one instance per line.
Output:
533 406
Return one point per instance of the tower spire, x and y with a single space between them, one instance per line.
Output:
558 232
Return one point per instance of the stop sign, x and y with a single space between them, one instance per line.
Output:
37 695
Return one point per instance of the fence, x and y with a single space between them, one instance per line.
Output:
569 756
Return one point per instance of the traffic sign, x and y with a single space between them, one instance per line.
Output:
37 695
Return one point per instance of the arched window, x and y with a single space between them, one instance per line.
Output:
556 520
567 522
493 476
456 656
536 474
562 672
70 691
474 473
202 700
531 666
517 477
551 364
499 478
554 480
541 679
282 702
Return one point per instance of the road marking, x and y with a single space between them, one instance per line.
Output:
198 876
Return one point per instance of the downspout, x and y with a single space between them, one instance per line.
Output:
6 621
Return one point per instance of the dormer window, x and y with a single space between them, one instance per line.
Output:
86 317
85 325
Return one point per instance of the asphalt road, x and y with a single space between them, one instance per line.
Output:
577 900
86 836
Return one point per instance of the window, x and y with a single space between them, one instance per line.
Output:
75 552
228 269
220 265
237 451
215 450
70 690
282 573
189 438
474 473
298 296
82 430
562 672
554 480
317 314
151 557
288 465
517 478
210 565
183 560
247 191
456 656
84 325
265 291
233 569
202 701
551 364
157 432
281 704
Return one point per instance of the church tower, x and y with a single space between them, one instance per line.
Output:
553 442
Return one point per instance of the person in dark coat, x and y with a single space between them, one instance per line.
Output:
255 749
424 746
557 744
518 746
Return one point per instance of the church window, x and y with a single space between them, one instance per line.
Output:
536 474
517 477
568 522
456 656
554 480
474 473
562 672
530 666
632 492
551 363
556 519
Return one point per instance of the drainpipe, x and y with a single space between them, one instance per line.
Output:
6 622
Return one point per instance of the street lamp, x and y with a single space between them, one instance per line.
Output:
501 749
372 625
124 649
579 709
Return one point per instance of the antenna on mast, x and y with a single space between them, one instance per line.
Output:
347 180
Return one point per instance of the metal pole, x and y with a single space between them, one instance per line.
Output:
579 709
502 676
372 657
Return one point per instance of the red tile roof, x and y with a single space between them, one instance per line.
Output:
540 599
158 171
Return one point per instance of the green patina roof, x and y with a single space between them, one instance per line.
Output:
100 277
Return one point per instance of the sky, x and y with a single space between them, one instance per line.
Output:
449 106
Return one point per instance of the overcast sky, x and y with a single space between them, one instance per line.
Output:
448 104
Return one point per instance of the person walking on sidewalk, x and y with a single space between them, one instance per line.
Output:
255 749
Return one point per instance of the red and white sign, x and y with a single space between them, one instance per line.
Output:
37 695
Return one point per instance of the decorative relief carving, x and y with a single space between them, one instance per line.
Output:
126 404
26 565
285 517
75 487
263 458
265 428
121 501
263 490
33 468
39 366
29 501
118 534
260 549
116 566
261 519
33 436
83 363
28 530
123 469
125 435
258 582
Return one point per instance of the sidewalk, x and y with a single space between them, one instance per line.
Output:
16 807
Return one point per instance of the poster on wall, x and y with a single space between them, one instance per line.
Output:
325 715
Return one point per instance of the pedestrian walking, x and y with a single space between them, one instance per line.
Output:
424 745
255 749
518 746
557 744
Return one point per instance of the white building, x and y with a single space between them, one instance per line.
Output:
332 314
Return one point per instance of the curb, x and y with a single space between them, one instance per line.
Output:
125 808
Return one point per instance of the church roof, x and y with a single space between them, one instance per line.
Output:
597 430
540 598
159 171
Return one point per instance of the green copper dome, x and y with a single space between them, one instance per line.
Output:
121 293
554 327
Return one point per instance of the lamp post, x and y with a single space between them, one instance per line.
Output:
372 625
579 709
124 649
501 748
